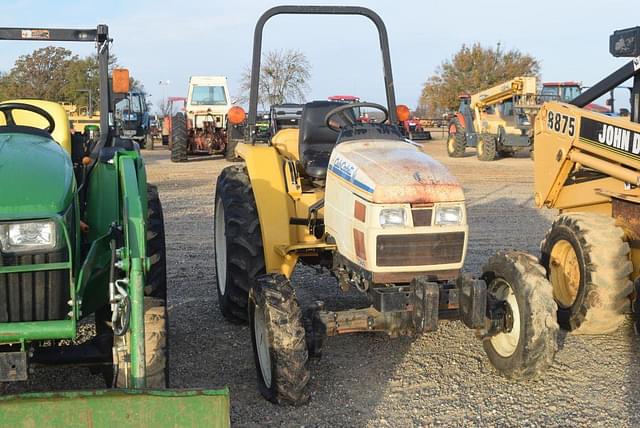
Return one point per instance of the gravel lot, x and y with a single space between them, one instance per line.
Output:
440 378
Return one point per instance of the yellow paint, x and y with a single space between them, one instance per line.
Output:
61 134
555 162
286 142
275 207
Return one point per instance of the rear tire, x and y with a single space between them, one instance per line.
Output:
179 143
238 242
487 148
278 339
587 262
156 281
456 141
528 349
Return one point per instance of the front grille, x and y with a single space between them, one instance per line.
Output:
421 216
34 296
419 250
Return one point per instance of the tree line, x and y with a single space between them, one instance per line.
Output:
56 74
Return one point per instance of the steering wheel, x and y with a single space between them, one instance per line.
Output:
8 108
341 113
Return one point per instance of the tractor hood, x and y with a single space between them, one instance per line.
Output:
394 171
36 177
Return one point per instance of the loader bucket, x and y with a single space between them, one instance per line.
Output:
117 408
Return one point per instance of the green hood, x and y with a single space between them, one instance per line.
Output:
36 177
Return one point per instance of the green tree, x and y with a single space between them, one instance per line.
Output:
53 73
472 69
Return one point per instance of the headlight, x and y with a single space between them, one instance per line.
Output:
448 215
28 236
393 217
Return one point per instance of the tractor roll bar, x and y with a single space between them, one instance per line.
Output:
318 10
99 35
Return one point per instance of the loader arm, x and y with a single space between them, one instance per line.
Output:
518 86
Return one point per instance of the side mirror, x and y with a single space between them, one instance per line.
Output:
120 81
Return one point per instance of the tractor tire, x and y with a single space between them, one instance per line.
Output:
528 349
587 262
487 149
179 138
155 344
456 141
156 281
238 242
230 151
278 339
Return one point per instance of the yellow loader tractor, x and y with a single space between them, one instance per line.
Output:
368 205
587 166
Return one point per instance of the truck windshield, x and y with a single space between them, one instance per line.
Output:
208 95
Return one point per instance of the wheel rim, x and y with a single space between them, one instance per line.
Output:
564 273
221 248
506 343
480 147
262 345
451 143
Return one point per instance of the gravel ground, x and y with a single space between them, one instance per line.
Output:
440 378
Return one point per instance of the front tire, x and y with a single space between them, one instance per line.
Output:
179 138
278 339
155 344
528 348
587 262
487 149
456 141
238 242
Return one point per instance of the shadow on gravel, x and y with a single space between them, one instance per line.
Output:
201 158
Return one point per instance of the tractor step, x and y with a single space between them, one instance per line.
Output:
13 366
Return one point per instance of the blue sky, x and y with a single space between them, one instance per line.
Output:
170 40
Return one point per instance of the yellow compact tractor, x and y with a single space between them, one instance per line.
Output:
587 166
383 217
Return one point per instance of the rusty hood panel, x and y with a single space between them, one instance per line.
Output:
391 171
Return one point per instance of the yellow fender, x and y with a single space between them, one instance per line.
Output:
266 172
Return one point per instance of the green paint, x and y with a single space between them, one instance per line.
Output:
40 165
117 408
37 330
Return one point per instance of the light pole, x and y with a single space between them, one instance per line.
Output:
164 84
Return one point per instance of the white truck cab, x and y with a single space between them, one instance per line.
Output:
208 100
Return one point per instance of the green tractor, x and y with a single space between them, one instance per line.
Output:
82 242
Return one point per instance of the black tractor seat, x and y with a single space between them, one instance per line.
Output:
316 140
